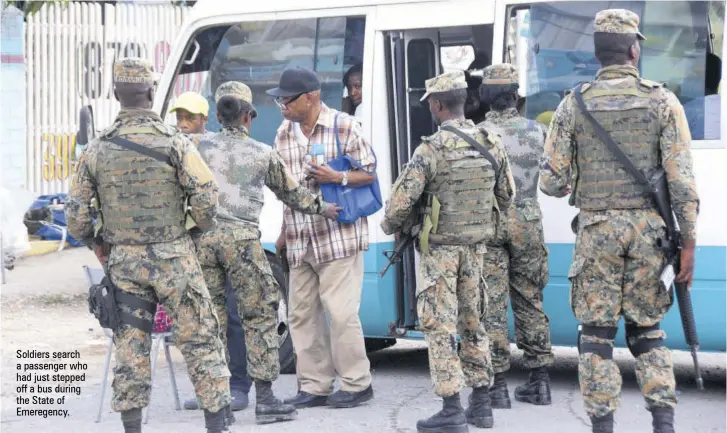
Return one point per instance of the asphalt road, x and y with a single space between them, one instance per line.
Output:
404 394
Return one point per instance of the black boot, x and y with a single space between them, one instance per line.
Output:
268 408
499 395
479 412
603 424
131 420
450 419
216 422
663 419
537 390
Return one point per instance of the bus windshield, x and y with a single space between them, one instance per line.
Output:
256 53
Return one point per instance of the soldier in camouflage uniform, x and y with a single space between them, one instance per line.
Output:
149 253
516 263
616 263
448 173
242 167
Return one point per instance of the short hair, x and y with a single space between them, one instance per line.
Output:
452 100
356 69
713 73
230 108
612 48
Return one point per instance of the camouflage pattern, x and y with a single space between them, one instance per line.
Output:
516 262
620 21
242 167
196 138
444 83
616 263
450 299
170 274
232 252
236 89
450 302
503 73
134 70
605 287
421 170
559 169
149 215
164 272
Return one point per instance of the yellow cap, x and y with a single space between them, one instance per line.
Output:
192 102
544 118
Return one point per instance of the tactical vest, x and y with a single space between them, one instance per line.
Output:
628 116
464 186
141 199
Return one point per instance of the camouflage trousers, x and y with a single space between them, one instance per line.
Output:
167 273
450 302
233 252
516 269
615 272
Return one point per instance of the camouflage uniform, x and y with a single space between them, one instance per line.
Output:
616 263
449 297
152 255
516 263
242 167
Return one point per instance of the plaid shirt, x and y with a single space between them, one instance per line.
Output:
331 240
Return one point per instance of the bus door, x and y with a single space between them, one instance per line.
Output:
412 58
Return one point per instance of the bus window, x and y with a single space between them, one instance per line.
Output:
256 53
552 45
421 67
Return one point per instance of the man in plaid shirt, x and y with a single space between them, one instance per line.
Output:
325 256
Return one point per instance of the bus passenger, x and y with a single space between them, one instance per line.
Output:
325 256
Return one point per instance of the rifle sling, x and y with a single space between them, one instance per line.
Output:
130 145
480 148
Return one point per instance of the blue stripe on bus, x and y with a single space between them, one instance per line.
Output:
378 301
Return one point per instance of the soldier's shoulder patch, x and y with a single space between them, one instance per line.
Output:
650 84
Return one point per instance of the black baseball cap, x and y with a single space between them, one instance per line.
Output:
294 81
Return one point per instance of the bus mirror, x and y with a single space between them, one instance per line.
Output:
86 129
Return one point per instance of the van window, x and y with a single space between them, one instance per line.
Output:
256 53
552 44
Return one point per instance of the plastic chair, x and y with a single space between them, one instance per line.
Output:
161 336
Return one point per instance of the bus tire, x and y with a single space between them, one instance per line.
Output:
285 342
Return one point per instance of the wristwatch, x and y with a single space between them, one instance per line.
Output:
344 181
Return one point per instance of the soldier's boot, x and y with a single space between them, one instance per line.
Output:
663 419
216 422
499 395
131 420
451 419
537 390
602 424
268 408
479 412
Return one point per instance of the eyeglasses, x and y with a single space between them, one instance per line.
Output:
283 101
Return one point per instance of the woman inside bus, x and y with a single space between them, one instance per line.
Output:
352 80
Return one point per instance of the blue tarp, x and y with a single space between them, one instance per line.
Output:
50 233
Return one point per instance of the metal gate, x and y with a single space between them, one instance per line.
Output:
70 53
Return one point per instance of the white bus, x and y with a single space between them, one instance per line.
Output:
401 44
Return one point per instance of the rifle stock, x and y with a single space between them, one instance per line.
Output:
396 255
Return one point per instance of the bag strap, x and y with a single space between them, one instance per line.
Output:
351 160
480 148
610 143
130 145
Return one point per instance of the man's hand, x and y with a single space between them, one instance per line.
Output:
280 244
332 210
686 266
98 249
323 174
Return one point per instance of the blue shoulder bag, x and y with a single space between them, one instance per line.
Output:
356 202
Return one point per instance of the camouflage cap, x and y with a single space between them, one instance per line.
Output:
236 89
134 70
444 83
504 73
619 21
